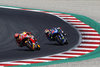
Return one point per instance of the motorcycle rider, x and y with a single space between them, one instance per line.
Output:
20 38
49 32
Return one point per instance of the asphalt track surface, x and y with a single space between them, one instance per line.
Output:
12 21
90 8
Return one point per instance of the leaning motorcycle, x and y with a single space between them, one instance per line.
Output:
59 37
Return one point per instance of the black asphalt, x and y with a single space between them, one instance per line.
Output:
12 21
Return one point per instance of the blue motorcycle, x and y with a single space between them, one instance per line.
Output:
59 37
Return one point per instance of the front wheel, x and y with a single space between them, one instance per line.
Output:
59 39
30 45
38 47
66 42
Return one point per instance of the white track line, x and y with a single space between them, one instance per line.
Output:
74 23
35 10
53 57
84 29
75 52
83 40
14 63
9 7
63 15
66 17
57 14
65 55
35 60
89 44
89 32
81 25
70 20
90 36
85 48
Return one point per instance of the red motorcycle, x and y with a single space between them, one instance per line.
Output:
27 40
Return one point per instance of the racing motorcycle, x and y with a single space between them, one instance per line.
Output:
28 41
59 37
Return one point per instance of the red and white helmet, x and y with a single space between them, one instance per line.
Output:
16 35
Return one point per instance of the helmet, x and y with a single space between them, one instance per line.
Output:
59 28
16 35
24 33
46 30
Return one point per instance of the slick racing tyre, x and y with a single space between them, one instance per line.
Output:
30 45
66 42
38 47
60 41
